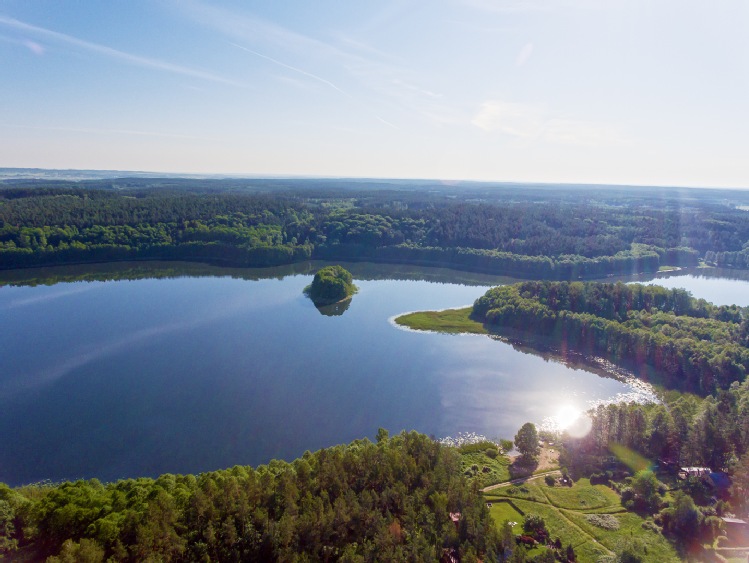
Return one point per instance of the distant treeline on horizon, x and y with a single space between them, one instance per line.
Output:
534 231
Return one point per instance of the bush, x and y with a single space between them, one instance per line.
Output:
550 480
627 494
605 521
477 447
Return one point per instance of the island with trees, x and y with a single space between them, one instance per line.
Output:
331 284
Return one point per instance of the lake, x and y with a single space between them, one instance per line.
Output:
185 368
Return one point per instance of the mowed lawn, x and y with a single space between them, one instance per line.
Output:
503 511
582 496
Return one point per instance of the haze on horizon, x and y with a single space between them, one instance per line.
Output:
574 91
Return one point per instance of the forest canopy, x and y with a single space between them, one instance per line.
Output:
664 335
385 501
525 231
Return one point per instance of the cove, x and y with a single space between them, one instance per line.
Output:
163 369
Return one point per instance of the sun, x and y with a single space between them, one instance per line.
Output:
566 416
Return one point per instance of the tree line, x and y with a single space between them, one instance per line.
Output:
533 235
402 498
663 335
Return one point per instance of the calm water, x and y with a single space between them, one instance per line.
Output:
125 378
719 286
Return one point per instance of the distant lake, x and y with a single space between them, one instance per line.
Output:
189 368
717 285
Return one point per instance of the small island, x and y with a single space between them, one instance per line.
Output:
332 284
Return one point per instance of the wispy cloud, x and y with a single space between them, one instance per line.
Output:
97 131
533 122
295 69
366 71
526 6
144 62
509 6
314 77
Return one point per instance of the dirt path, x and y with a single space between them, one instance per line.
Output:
520 480
561 513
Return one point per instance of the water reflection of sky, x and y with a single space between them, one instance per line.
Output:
126 378
711 284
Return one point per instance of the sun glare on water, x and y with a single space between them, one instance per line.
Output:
568 419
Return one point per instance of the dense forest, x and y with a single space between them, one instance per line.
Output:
665 336
532 232
400 499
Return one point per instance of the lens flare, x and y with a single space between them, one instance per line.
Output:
566 416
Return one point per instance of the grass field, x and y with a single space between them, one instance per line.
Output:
564 511
527 491
452 321
582 496
502 511
655 546
498 468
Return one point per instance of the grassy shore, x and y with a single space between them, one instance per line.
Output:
451 321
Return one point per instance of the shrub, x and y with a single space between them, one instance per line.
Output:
605 521
550 480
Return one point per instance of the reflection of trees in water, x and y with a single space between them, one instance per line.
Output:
165 269
335 309
567 356
360 270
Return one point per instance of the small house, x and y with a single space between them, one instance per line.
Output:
686 472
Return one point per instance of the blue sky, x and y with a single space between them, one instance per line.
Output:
632 91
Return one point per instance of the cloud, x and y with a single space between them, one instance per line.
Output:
528 6
509 6
532 122
295 69
314 77
514 119
107 131
34 47
355 63
128 58
524 54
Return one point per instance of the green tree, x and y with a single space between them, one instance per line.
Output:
645 485
526 441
